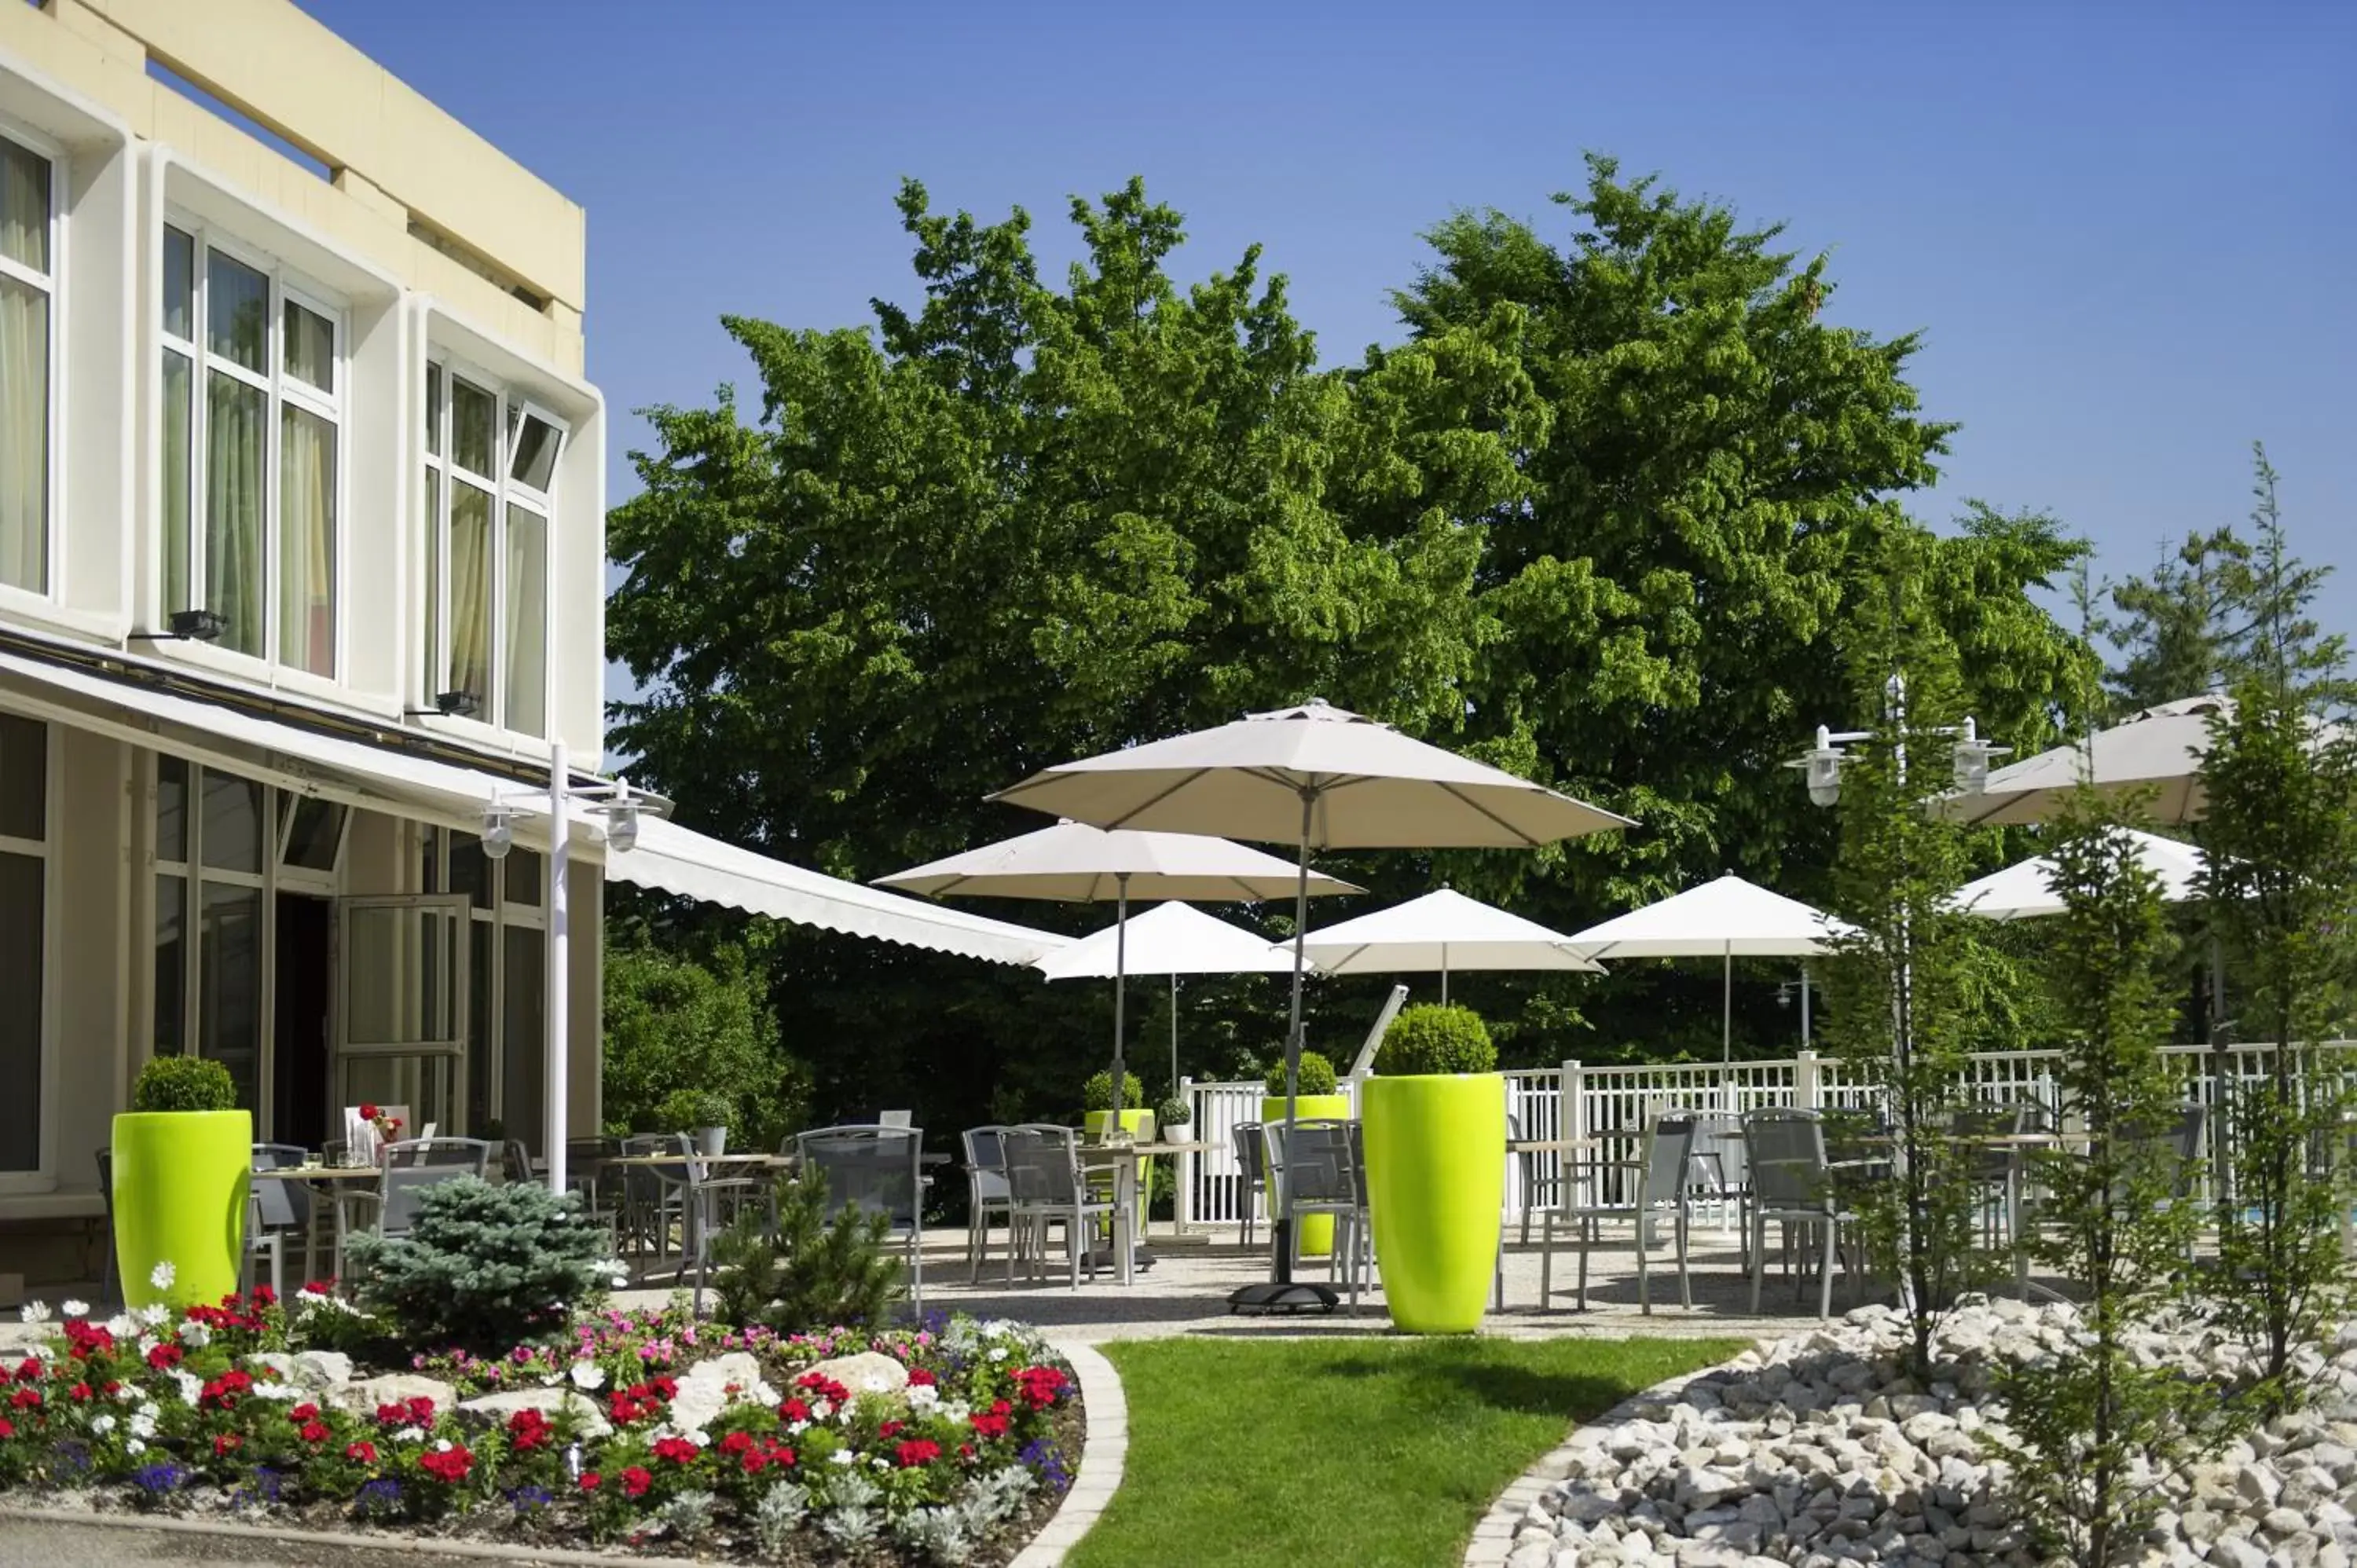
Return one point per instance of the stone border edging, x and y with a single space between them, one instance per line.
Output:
487 1550
1102 1452
1493 1538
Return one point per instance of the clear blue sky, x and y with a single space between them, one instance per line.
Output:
2128 232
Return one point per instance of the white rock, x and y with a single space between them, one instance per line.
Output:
394 1388
496 1410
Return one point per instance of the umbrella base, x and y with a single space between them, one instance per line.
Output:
1106 1258
1283 1296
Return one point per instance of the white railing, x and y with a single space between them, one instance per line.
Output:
1608 1102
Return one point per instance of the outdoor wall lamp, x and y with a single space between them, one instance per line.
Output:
1969 760
187 626
498 831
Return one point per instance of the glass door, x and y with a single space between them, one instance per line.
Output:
400 1009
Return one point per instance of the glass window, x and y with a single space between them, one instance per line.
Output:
179 284
171 809
534 462
306 542
471 594
171 965
523 1033
316 834
237 414
25 353
231 840
431 530
310 347
23 930
228 981
523 876
434 410
179 391
237 312
527 629
469 869
473 428
23 780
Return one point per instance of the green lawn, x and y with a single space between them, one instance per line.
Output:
1375 1452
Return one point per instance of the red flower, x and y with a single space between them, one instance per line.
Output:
921 1451
360 1452
678 1450
303 1413
589 1479
965 1451
737 1442
391 1415
80 1393
222 1392
228 1443
449 1465
635 1480
1040 1386
26 1399
666 1386
824 1387
85 1340
163 1357
28 1370
110 1388
887 1429
920 1377
421 1411
7 1427
793 1410
368 1112
993 1426
264 1296
314 1432
529 1429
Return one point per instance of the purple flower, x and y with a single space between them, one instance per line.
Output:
382 1496
162 1477
1046 1458
527 1499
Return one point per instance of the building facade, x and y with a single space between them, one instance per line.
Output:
301 568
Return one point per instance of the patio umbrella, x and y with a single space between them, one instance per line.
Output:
2026 891
2159 749
1318 778
1725 919
1442 932
1173 939
1077 862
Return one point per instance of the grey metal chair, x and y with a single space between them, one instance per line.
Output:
1793 1184
1251 1157
282 1209
106 1283
653 1195
875 1170
987 1193
1662 1177
1541 1189
415 1166
1049 1187
516 1161
1315 1165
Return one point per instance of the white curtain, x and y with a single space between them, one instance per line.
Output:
527 621
23 435
471 594
307 544
236 416
177 408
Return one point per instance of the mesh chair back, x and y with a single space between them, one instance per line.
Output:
986 1162
515 1160
1251 1153
1972 1125
1787 1154
1315 1155
403 1190
1042 1165
106 1188
895 1118
1669 1146
872 1169
474 1154
285 1205
1717 1142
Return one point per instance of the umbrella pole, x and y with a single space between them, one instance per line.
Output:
1444 974
1120 964
1281 1233
1726 1010
1174 1037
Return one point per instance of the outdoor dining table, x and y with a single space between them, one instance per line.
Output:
1124 1158
324 1180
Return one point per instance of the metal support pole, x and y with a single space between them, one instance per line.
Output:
560 836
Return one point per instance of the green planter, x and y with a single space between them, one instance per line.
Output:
180 1183
1317 1229
1435 1180
1138 1125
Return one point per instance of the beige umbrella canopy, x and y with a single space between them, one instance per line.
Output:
2159 749
1313 776
1442 931
1076 862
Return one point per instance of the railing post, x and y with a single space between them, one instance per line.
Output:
1572 1115
1808 1088
1182 1202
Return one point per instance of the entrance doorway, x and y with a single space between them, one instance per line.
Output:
303 1021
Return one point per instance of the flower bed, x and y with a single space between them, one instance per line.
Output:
943 1442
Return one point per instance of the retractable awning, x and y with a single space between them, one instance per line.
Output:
381 777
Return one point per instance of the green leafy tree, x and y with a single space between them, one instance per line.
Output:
813 1273
683 1033
1901 981
2279 878
2099 1427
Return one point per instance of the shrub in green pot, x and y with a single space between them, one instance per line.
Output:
183 1161
1436 1141
1096 1105
1318 1098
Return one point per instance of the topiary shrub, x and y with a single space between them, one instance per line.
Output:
1426 1039
1316 1077
818 1273
1173 1112
184 1083
483 1267
1097 1093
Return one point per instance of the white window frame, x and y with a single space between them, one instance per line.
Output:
43 1176
52 284
195 875
504 491
487 1060
281 390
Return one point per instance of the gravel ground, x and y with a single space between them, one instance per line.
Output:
26 1544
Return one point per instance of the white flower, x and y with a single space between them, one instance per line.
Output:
134 1446
143 1426
998 1352
824 1409
271 1388
75 1308
35 1312
191 1385
795 1429
154 1317
409 1435
148 1408
588 1375
842 1456
923 1396
161 1276
551 1380
880 1464
121 1326
101 1425
126 1394
195 1335
442 1445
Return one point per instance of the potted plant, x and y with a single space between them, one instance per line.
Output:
1435 1144
1170 1113
182 1163
1317 1096
710 1114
